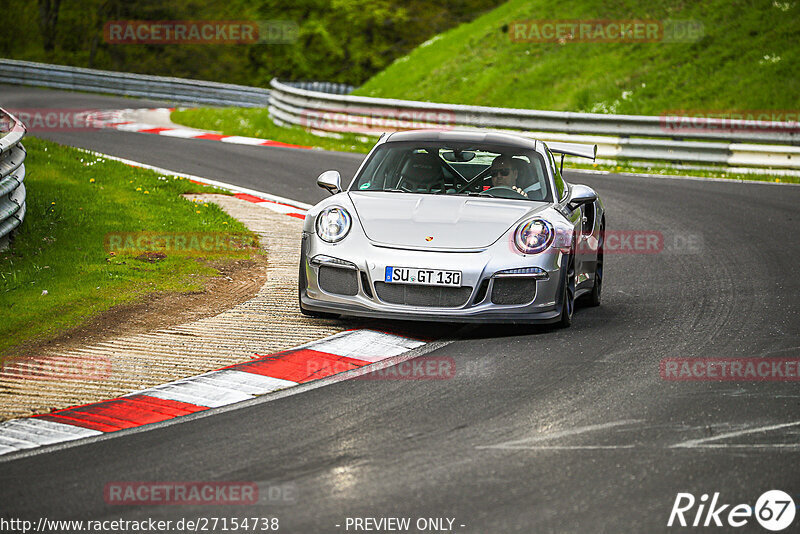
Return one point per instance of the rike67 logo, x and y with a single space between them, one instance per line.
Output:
774 510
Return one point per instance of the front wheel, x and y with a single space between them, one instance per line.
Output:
568 295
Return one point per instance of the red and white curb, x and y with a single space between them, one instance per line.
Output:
341 352
241 382
126 120
286 209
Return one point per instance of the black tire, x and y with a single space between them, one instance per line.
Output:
568 294
301 285
597 288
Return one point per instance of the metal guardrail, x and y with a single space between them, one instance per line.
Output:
324 87
324 108
139 85
619 137
12 176
177 90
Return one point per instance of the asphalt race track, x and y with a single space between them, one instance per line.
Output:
540 430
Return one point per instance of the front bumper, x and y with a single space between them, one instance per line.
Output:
367 263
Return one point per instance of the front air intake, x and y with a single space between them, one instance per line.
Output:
338 281
511 290
423 296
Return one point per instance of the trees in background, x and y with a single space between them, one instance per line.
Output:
48 20
338 40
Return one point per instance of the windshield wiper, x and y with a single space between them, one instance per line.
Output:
474 194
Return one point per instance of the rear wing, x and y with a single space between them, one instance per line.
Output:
573 149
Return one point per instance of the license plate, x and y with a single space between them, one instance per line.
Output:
425 277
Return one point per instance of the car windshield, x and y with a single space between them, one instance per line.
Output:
456 169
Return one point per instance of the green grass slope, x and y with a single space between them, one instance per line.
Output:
60 270
748 59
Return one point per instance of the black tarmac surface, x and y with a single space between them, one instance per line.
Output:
540 430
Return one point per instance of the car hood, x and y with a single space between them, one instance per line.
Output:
437 221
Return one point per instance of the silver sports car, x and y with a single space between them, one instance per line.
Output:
455 226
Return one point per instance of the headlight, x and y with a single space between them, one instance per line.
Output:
532 237
333 224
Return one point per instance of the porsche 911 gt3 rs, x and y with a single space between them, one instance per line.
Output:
455 226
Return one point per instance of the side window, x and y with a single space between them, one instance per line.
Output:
560 187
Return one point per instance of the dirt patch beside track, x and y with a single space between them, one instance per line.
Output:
237 282
168 337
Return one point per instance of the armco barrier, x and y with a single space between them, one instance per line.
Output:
639 139
140 85
618 137
324 87
177 90
12 175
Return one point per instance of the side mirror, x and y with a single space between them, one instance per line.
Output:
580 195
331 181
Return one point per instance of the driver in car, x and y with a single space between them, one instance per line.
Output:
504 174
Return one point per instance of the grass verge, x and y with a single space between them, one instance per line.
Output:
631 168
59 271
744 58
256 122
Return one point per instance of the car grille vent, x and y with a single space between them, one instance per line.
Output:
481 293
338 281
424 296
365 284
513 290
